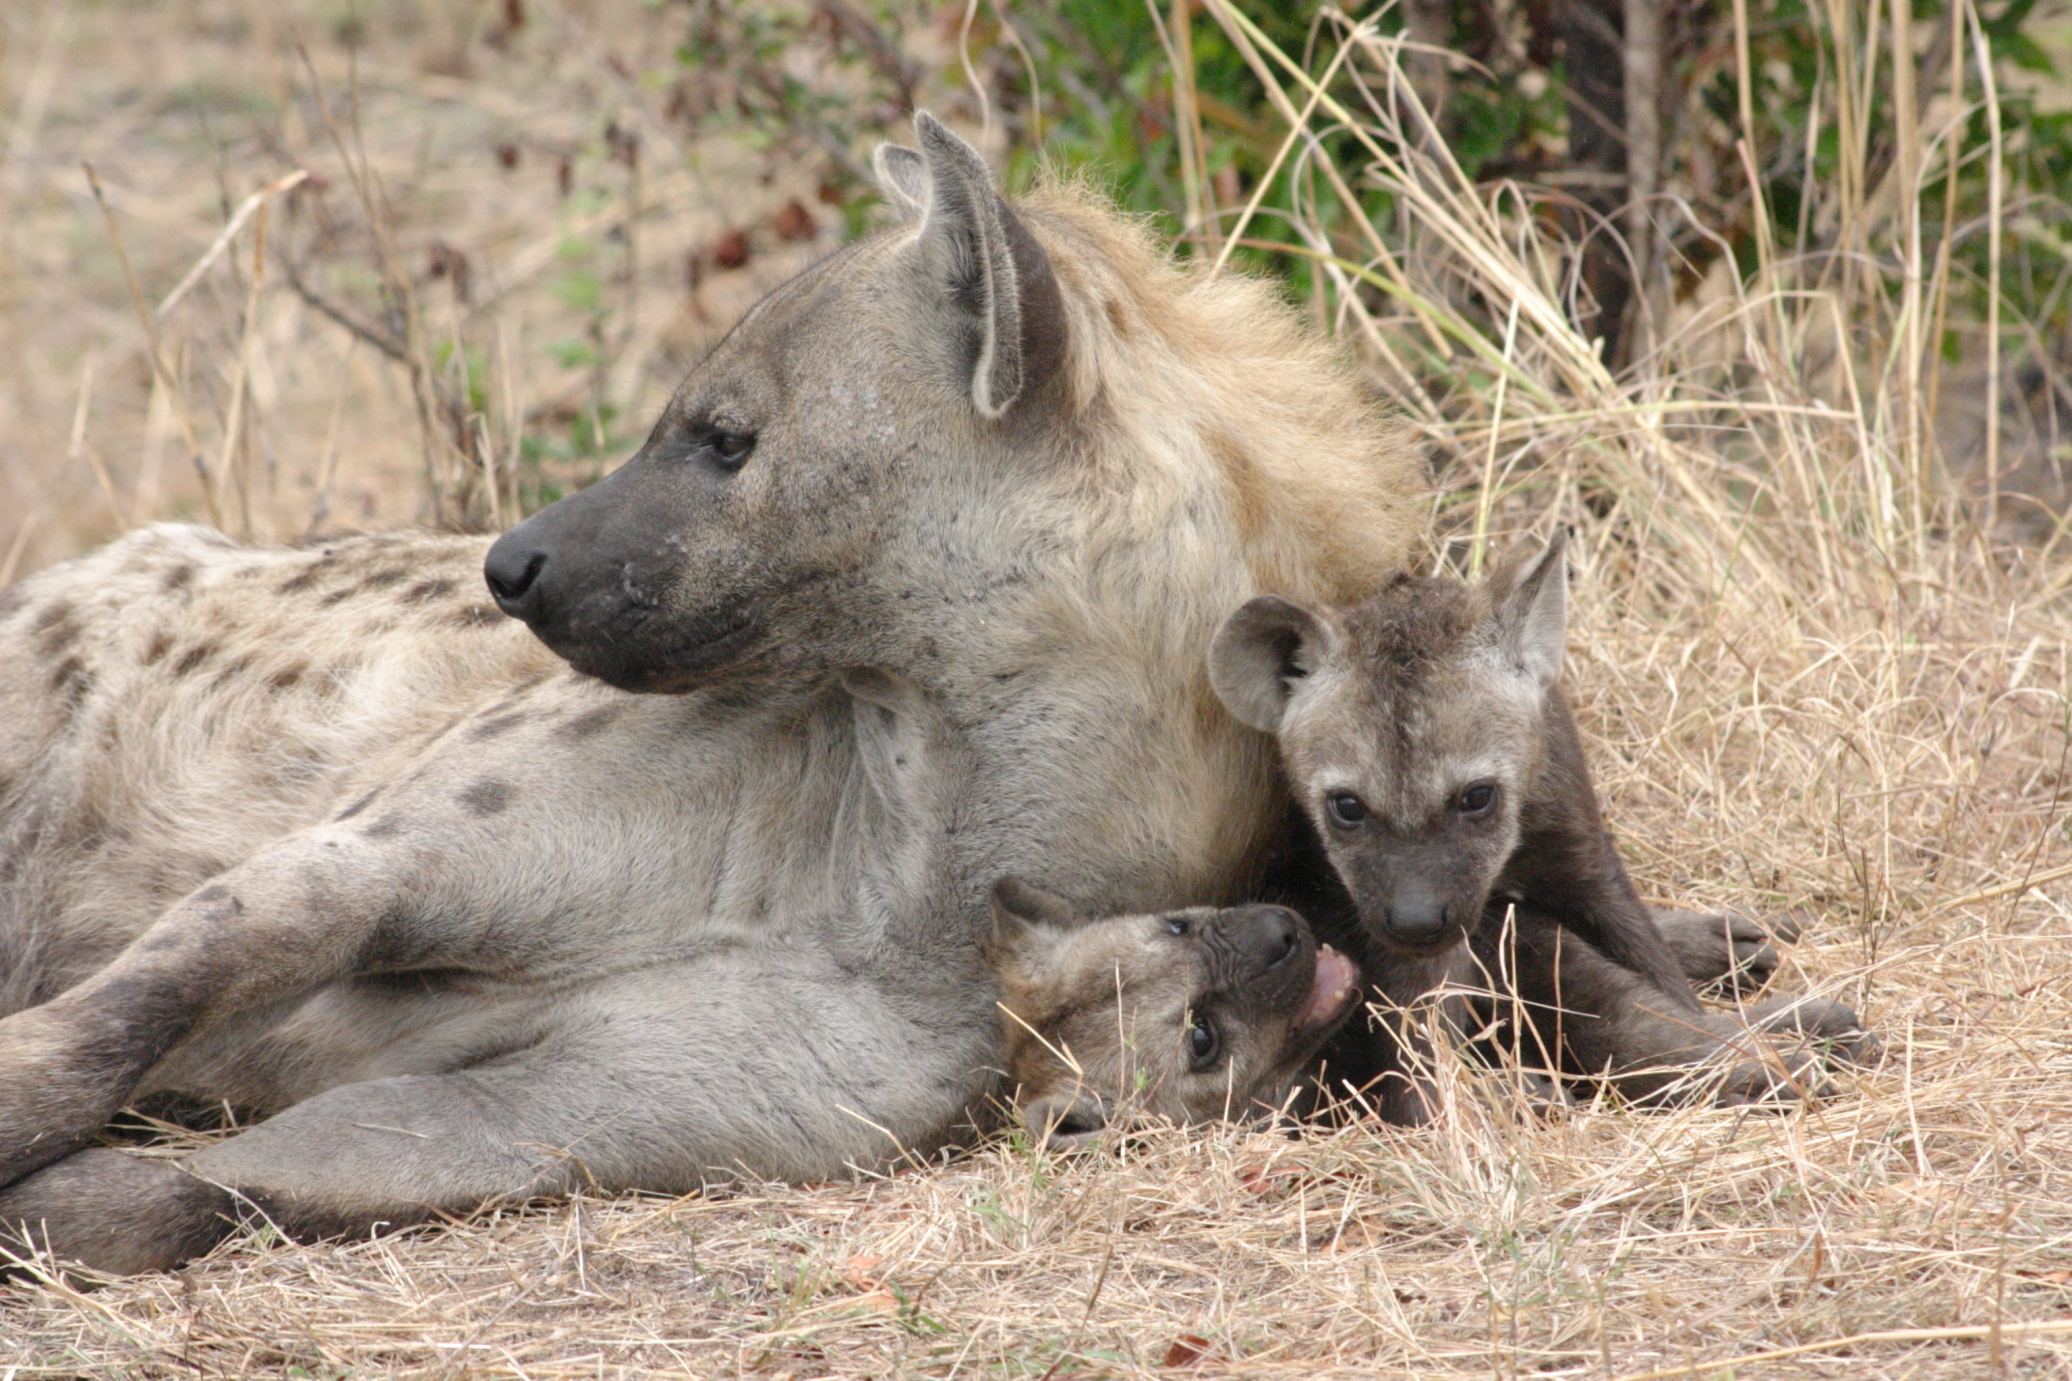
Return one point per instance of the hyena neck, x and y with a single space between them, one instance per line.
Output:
1101 766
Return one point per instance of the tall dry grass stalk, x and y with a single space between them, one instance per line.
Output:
1811 677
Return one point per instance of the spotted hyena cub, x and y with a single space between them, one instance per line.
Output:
1185 1016
1425 735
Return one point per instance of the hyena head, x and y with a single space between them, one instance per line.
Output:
1186 1015
779 506
1412 728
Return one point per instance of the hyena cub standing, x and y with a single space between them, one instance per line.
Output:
1425 735
1186 1016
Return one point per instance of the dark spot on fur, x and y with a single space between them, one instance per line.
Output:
160 643
381 580
11 599
287 678
357 806
488 797
296 584
590 722
71 682
476 616
1116 317
193 657
178 578
387 827
490 728
335 597
220 902
426 590
55 630
226 677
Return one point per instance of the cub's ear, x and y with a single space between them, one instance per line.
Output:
1005 317
1532 617
1259 650
1022 917
903 177
1065 1121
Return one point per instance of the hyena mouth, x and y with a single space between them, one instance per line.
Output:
1332 993
682 662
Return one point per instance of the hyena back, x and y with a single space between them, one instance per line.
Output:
173 701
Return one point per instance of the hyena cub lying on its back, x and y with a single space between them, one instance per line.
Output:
1425 735
1185 1016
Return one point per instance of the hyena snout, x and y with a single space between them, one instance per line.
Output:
600 582
1267 938
1416 910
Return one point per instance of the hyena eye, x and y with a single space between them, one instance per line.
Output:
1345 809
1202 1043
1177 925
1477 799
728 450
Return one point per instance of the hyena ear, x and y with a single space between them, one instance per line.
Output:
1007 320
1259 651
1023 917
903 177
1065 1121
1532 619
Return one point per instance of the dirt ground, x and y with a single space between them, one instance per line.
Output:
1885 753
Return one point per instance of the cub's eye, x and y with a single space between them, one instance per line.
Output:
729 450
1177 925
1477 799
1345 809
1202 1043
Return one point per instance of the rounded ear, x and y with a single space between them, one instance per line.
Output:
1027 902
1532 617
1020 911
903 177
1065 1121
1008 321
1258 651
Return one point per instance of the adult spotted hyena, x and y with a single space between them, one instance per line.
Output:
315 832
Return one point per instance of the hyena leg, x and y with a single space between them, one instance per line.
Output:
1591 1016
645 1083
301 912
1725 952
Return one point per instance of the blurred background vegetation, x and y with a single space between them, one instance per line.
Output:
522 220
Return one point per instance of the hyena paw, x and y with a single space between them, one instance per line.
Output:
111 1213
50 1102
1725 952
1829 1029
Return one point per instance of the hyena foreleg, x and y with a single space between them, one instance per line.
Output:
1590 1016
300 913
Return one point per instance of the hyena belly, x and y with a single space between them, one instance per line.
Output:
173 701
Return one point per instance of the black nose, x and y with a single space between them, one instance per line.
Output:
513 572
1274 934
1417 920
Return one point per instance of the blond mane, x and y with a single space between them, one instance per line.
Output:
1215 383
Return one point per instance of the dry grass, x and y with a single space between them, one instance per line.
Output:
1807 677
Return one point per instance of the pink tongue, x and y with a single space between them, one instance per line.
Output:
1336 976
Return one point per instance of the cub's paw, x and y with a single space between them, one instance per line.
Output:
1725 952
1829 1029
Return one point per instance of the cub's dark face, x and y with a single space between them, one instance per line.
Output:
1412 729
1186 1016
